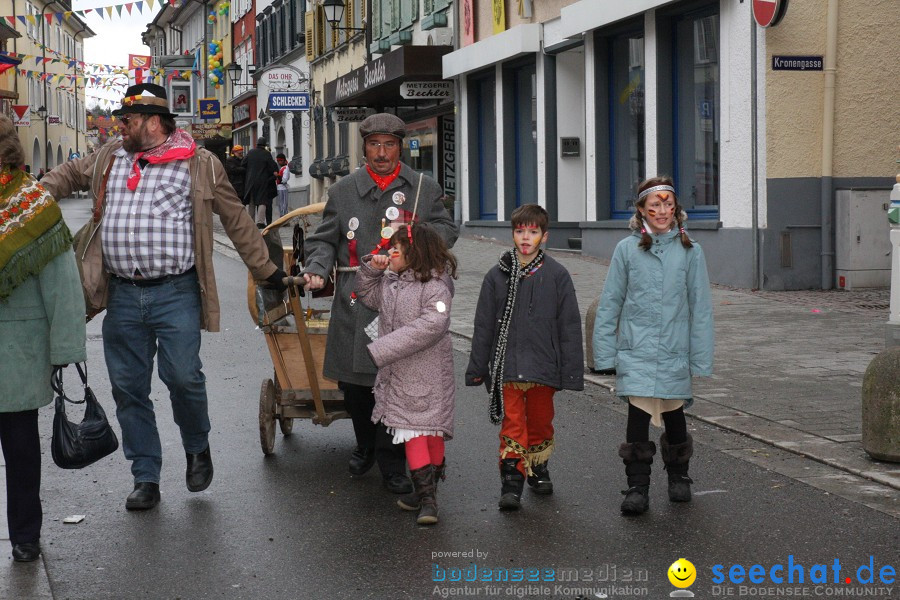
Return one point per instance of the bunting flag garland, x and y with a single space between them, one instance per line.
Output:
104 12
7 62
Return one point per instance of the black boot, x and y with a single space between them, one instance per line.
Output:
424 483
638 457
539 480
410 501
677 457
513 482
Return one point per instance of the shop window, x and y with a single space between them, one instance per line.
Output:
482 147
297 136
520 140
419 152
626 120
690 106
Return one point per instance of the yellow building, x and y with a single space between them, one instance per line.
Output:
48 80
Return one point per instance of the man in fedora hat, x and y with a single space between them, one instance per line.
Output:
362 212
158 192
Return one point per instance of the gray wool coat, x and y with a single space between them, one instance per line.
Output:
357 196
414 388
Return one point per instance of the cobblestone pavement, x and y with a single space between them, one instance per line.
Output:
788 365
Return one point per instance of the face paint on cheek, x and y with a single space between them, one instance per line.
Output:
651 212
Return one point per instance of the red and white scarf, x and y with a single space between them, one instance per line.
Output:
179 146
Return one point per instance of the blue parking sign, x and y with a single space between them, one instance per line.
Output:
413 144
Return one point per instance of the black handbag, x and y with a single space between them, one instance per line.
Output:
75 446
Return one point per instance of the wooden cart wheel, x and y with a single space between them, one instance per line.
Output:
267 417
284 423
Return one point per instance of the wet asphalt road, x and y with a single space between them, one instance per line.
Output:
297 525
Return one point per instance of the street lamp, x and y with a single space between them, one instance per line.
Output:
334 14
234 71
42 112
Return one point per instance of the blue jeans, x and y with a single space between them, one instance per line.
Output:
139 322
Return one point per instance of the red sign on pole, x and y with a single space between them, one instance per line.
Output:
769 12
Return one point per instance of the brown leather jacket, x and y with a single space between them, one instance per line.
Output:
211 193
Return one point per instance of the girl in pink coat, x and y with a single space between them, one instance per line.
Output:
412 289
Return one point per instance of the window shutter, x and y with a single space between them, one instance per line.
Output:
310 22
320 30
395 14
376 19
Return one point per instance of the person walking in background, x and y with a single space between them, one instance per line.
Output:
259 182
412 290
654 330
282 176
156 243
234 166
41 325
362 212
527 345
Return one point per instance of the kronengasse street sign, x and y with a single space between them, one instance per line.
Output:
769 12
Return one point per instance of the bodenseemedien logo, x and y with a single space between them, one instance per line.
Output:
682 574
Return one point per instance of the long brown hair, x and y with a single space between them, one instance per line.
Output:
646 240
425 251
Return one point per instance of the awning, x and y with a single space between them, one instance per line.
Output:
377 83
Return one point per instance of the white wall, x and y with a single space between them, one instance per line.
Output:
570 95
735 168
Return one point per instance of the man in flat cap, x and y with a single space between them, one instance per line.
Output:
149 261
362 212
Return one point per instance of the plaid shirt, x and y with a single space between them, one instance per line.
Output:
148 232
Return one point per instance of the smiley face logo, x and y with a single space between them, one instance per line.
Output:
682 573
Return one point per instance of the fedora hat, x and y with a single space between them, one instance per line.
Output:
144 99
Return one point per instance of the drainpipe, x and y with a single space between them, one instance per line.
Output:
754 158
827 190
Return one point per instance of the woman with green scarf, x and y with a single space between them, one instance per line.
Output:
41 324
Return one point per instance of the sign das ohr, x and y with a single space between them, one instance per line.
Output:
768 13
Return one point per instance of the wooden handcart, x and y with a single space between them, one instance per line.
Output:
296 337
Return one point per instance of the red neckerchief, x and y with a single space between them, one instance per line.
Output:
179 146
382 181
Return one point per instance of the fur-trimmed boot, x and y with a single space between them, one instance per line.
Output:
677 457
638 457
539 480
424 484
410 501
512 483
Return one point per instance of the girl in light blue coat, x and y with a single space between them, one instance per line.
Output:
654 330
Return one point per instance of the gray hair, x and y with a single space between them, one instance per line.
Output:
11 151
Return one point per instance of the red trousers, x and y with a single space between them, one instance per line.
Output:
527 428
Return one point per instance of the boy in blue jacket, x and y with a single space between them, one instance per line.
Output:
526 346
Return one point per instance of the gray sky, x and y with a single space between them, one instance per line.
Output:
116 38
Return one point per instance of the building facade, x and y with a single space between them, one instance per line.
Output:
191 46
572 104
388 61
49 80
282 89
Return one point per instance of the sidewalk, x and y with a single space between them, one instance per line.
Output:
788 365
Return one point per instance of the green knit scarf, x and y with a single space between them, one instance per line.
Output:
32 230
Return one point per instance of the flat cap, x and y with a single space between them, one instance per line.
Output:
383 123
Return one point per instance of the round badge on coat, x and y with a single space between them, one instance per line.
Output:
351 235
353 225
387 232
398 198
392 213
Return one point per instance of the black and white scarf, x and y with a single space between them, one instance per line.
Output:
509 264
